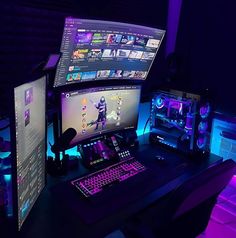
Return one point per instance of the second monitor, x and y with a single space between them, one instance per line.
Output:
100 110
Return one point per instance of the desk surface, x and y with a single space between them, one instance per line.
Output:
61 211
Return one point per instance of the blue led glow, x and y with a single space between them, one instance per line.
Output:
222 145
160 102
144 112
140 132
7 177
24 208
73 152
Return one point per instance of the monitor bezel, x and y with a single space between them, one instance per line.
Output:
15 219
92 138
110 79
224 117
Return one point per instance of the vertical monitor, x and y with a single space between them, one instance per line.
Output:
30 123
104 50
96 111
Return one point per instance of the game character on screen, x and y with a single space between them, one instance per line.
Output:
28 96
102 112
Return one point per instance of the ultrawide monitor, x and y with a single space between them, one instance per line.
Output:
103 50
96 111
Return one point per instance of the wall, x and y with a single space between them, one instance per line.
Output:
206 50
32 29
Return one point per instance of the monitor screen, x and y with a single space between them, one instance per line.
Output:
223 136
30 135
95 111
102 50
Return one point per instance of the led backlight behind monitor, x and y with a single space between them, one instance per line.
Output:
30 134
104 50
96 111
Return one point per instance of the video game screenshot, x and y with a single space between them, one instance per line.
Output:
99 110
98 50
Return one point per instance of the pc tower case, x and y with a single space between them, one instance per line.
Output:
181 121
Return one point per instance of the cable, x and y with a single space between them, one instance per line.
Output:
145 127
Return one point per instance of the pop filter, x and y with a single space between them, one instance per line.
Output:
63 142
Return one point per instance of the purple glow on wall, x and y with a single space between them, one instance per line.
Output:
172 24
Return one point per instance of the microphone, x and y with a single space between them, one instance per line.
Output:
63 142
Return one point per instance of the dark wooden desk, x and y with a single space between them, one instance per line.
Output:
63 212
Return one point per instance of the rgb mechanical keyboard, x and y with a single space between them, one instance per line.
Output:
96 182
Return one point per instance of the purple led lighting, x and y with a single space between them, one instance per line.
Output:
52 61
174 10
180 108
205 110
189 122
202 127
233 181
201 142
93 183
175 104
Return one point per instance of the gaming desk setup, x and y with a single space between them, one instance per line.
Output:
98 82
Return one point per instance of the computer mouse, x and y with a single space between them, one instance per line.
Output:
159 158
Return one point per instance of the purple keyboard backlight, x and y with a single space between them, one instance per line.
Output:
95 182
